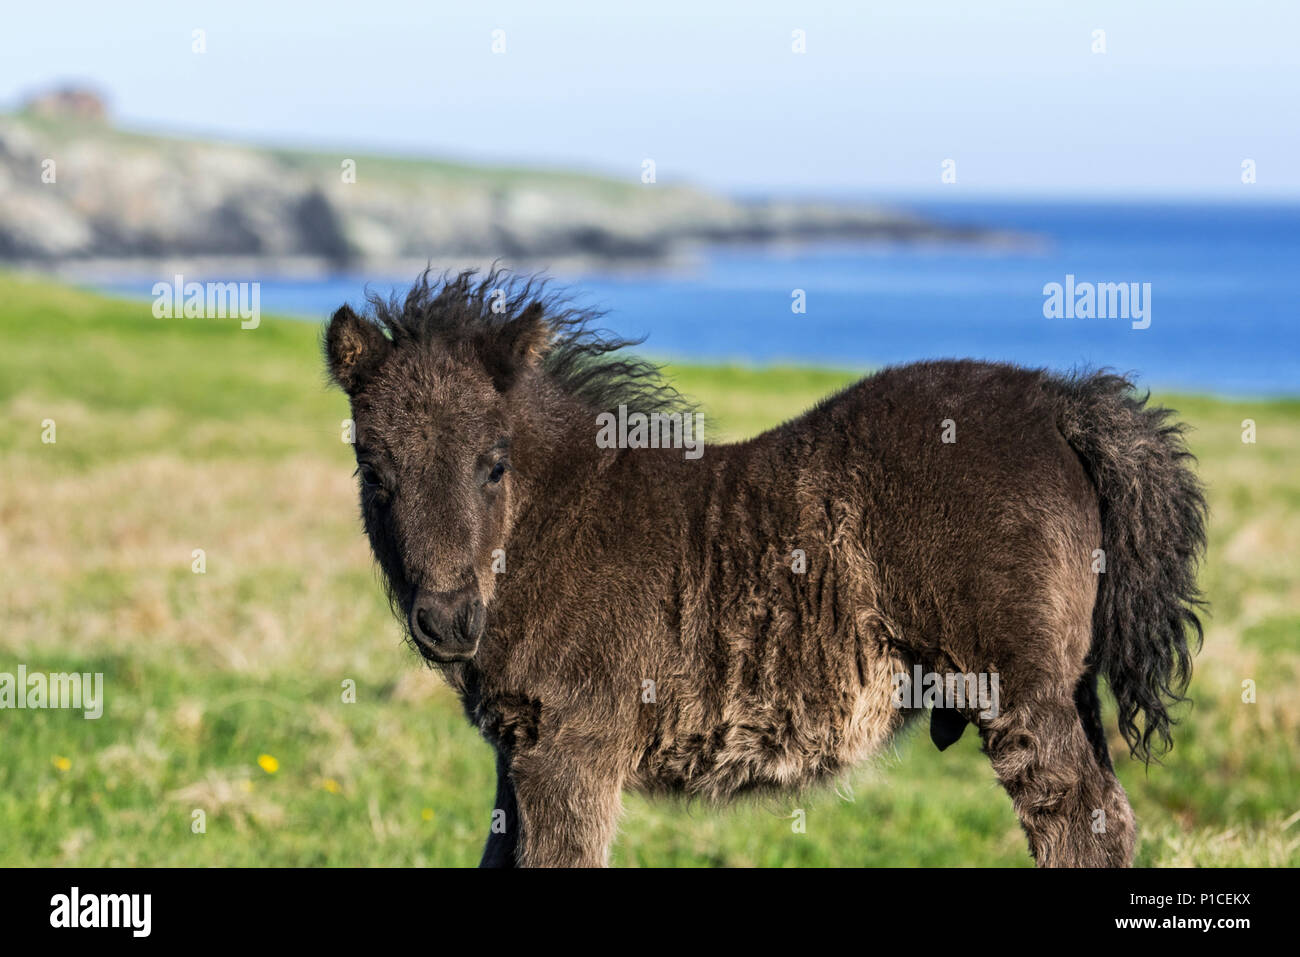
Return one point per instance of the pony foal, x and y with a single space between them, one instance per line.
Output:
735 621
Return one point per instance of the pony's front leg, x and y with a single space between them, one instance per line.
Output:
502 849
568 810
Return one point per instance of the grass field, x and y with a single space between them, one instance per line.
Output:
224 690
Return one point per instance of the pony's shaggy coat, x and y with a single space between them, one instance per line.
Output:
653 628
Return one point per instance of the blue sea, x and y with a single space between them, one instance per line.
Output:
1224 291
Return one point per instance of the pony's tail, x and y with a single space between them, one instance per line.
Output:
1153 516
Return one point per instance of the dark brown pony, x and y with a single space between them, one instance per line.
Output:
768 613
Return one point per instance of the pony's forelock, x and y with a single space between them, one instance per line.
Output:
463 309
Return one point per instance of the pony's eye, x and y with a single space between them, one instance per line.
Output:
498 470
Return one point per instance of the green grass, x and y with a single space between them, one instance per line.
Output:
175 435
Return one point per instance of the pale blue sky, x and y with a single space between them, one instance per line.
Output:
1009 89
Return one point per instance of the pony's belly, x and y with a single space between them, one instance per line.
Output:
773 745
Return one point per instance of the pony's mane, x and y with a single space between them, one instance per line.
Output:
583 360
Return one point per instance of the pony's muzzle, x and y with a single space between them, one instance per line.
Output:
447 626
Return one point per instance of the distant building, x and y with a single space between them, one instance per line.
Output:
74 102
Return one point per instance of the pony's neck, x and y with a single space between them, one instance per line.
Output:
554 445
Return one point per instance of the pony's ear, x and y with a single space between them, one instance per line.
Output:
517 346
354 348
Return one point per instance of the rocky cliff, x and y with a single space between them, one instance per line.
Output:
76 189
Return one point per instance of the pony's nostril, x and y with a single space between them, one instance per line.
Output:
475 619
446 627
425 626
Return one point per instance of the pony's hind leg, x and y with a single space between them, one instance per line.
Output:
1069 802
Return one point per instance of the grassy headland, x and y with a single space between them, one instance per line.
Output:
82 193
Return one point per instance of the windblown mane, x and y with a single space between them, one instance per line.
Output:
585 361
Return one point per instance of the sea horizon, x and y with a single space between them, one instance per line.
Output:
1219 277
